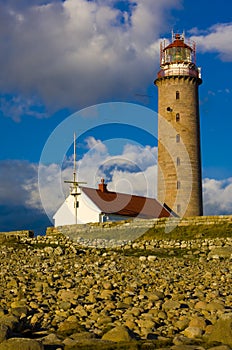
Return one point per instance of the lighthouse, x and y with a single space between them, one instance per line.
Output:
179 155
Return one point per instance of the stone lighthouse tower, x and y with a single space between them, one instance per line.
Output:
179 157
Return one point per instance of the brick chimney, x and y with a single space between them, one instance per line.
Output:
102 186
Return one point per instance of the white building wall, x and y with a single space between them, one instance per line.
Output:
87 212
65 215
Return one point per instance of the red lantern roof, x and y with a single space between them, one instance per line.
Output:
178 42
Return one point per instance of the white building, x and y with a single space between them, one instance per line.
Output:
100 205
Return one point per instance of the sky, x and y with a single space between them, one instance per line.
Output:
88 67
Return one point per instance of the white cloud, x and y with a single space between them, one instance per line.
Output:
124 173
51 187
14 106
19 184
20 205
133 166
142 183
132 171
142 156
76 53
96 144
14 176
216 39
217 196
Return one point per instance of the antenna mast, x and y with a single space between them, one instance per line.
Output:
75 184
74 158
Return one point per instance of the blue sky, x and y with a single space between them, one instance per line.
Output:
59 57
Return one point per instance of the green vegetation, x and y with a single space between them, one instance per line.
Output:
132 345
189 232
102 346
161 253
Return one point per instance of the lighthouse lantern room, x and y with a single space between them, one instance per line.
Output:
179 156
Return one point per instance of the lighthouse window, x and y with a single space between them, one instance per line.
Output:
177 95
178 138
177 161
178 208
177 117
178 185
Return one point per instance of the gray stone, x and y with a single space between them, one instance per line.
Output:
51 339
97 289
83 336
69 327
48 250
220 347
187 347
10 321
214 306
198 322
58 251
4 332
171 304
221 252
21 344
104 320
66 295
193 332
154 296
182 340
118 334
222 331
182 323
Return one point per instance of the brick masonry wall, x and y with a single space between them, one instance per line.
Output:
188 197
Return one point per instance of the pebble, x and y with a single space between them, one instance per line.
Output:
74 294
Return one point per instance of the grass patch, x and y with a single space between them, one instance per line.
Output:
160 253
42 245
189 232
132 345
19 245
105 346
13 244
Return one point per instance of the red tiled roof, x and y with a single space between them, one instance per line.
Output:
126 205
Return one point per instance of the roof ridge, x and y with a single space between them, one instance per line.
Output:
114 192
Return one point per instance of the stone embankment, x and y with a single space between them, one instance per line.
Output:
15 235
110 234
60 294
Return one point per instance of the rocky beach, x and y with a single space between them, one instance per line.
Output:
61 295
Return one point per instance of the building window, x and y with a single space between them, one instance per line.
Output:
177 95
178 185
178 208
178 161
178 138
177 117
